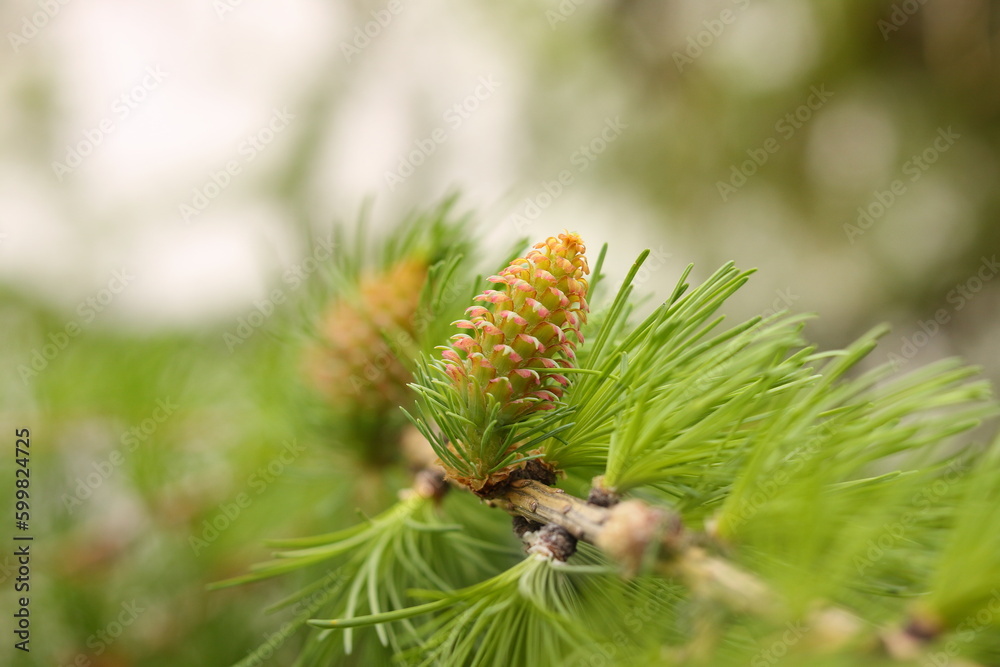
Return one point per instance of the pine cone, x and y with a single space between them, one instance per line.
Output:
532 322
353 365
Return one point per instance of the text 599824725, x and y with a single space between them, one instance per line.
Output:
22 542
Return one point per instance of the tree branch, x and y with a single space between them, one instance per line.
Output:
635 534
640 536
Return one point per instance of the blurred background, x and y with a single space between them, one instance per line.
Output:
164 169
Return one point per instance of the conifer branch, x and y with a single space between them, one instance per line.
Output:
639 536
749 428
634 534
546 504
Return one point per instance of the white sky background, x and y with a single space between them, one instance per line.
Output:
197 84
221 78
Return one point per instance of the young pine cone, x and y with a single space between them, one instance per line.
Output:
530 322
357 362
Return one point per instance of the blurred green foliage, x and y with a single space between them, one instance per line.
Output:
129 537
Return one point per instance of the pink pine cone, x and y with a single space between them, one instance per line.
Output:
531 321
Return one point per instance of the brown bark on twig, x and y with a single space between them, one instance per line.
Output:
637 535
633 534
